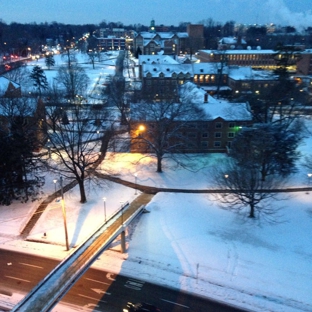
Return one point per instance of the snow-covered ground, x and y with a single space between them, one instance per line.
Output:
187 241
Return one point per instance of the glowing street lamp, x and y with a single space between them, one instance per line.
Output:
54 181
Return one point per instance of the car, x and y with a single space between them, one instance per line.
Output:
140 307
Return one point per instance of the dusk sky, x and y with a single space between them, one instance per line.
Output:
168 12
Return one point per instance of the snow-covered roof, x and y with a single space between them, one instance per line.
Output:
4 83
156 59
248 51
208 68
230 40
215 108
166 69
247 73
162 35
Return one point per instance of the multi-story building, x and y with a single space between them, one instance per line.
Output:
111 43
170 43
257 59
161 81
213 133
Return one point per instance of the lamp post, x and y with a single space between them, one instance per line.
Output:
309 180
64 213
54 181
135 180
104 200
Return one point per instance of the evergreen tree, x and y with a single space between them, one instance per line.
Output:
19 178
39 78
49 61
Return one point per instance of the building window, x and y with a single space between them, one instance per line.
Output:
218 125
231 135
218 134
191 135
231 125
204 144
205 135
217 144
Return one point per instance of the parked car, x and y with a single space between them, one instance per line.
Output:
140 307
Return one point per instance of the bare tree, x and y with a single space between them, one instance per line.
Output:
80 144
244 187
158 127
74 80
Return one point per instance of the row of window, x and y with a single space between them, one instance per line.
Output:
206 135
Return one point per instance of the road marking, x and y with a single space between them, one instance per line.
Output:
100 291
15 278
109 276
93 280
95 299
181 305
31 265
90 306
136 285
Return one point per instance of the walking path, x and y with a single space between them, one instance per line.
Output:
145 197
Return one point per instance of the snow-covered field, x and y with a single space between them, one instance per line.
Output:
187 241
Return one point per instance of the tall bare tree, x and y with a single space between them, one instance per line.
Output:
244 187
80 144
74 80
158 127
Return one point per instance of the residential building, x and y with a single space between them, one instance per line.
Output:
111 43
161 81
212 134
169 43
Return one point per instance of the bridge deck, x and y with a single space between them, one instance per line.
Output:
54 286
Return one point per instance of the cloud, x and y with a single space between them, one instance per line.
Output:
279 13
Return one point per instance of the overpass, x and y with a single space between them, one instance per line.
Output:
54 286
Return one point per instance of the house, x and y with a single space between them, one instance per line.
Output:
211 134
9 88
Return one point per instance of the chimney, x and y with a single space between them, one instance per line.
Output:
206 98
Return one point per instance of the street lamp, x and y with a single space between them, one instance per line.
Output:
309 180
64 213
54 181
104 200
135 180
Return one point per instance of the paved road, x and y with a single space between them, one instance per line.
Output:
98 290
